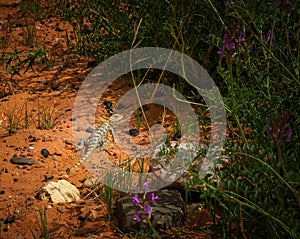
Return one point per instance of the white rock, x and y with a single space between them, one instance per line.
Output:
59 192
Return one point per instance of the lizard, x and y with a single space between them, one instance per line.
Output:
98 138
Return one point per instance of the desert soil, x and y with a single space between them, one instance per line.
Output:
51 92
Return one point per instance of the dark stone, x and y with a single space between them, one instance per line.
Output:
9 220
32 139
92 64
177 136
54 87
108 105
22 161
133 132
81 217
72 119
89 130
45 153
167 211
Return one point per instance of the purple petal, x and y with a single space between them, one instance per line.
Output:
147 209
240 38
225 41
146 187
288 135
153 197
136 200
137 218
221 52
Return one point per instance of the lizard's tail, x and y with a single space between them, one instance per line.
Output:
68 170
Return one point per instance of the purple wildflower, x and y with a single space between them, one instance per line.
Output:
278 131
147 209
269 37
153 197
240 38
143 203
136 200
137 218
288 135
221 52
146 187
281 3
274 136
232 38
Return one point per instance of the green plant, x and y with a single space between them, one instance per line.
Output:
251 50
108 197
18 118
29 36
46 119
24 60
12 119
43 225
37 9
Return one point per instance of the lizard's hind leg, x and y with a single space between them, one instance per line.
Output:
102 145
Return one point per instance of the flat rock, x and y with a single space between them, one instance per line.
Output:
22 161
59 192
167 211
91 182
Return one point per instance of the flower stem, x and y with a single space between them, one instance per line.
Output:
152 228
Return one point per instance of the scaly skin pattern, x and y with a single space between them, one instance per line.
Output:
97 139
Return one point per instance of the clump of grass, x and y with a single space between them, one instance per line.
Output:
20 60
23 118
46 118
42 224
29 34
12 119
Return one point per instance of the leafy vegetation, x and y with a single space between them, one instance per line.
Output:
251 49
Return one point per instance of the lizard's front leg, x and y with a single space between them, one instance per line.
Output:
82 142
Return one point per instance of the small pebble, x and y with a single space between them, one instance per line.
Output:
73 119
54 87
16 180
68 170
54 158
2 192
5 229
45 153
133 132
120 106
92 64
177 136
81 217
108 104
47 178
9 220
33 139
89 130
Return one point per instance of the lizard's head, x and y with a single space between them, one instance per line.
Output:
116 117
